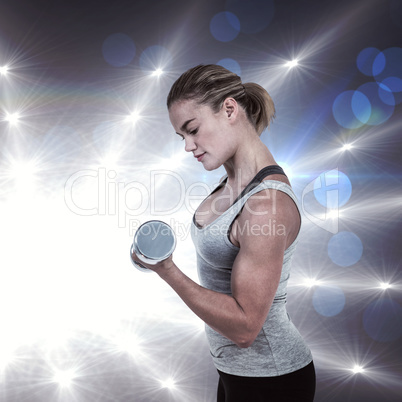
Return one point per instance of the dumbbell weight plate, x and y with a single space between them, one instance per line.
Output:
154 241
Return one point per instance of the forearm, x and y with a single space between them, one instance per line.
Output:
221 312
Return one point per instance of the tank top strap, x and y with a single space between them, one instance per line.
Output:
259 177
264 185
238 205
255 183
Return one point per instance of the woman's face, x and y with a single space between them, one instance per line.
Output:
206 134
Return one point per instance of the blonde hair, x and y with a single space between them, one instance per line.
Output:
212 84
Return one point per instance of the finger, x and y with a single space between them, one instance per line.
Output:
136 263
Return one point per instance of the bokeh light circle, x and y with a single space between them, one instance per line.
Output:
393 84
155 57
345 249
224 26
382 320
388 64
378 64
365 60
118 49
387 70
254 15
328 301
332 189
351 109
380 111
231 65
385 94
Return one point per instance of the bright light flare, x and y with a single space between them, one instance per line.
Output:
357 369
169 383
310 282
332 214
287 169
133 117
3 70
292 63
64 377
157 73
128 343
384 285
347 147
12 118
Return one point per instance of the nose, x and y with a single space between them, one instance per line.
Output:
190 145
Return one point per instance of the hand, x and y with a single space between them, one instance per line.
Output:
162 265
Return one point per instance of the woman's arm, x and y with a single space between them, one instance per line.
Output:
255 274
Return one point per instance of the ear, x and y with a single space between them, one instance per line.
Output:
230 108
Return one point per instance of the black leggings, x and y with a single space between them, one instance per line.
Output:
298 386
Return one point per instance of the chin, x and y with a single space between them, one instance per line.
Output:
210 167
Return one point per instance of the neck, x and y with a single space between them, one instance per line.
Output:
251 156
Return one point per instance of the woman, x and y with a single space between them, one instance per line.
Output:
245 233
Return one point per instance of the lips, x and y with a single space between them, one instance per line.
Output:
199 156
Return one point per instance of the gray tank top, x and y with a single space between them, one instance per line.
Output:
279 348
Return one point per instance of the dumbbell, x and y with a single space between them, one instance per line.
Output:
154 241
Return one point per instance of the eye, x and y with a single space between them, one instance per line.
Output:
193 132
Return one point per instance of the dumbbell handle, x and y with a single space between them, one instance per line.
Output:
138 265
